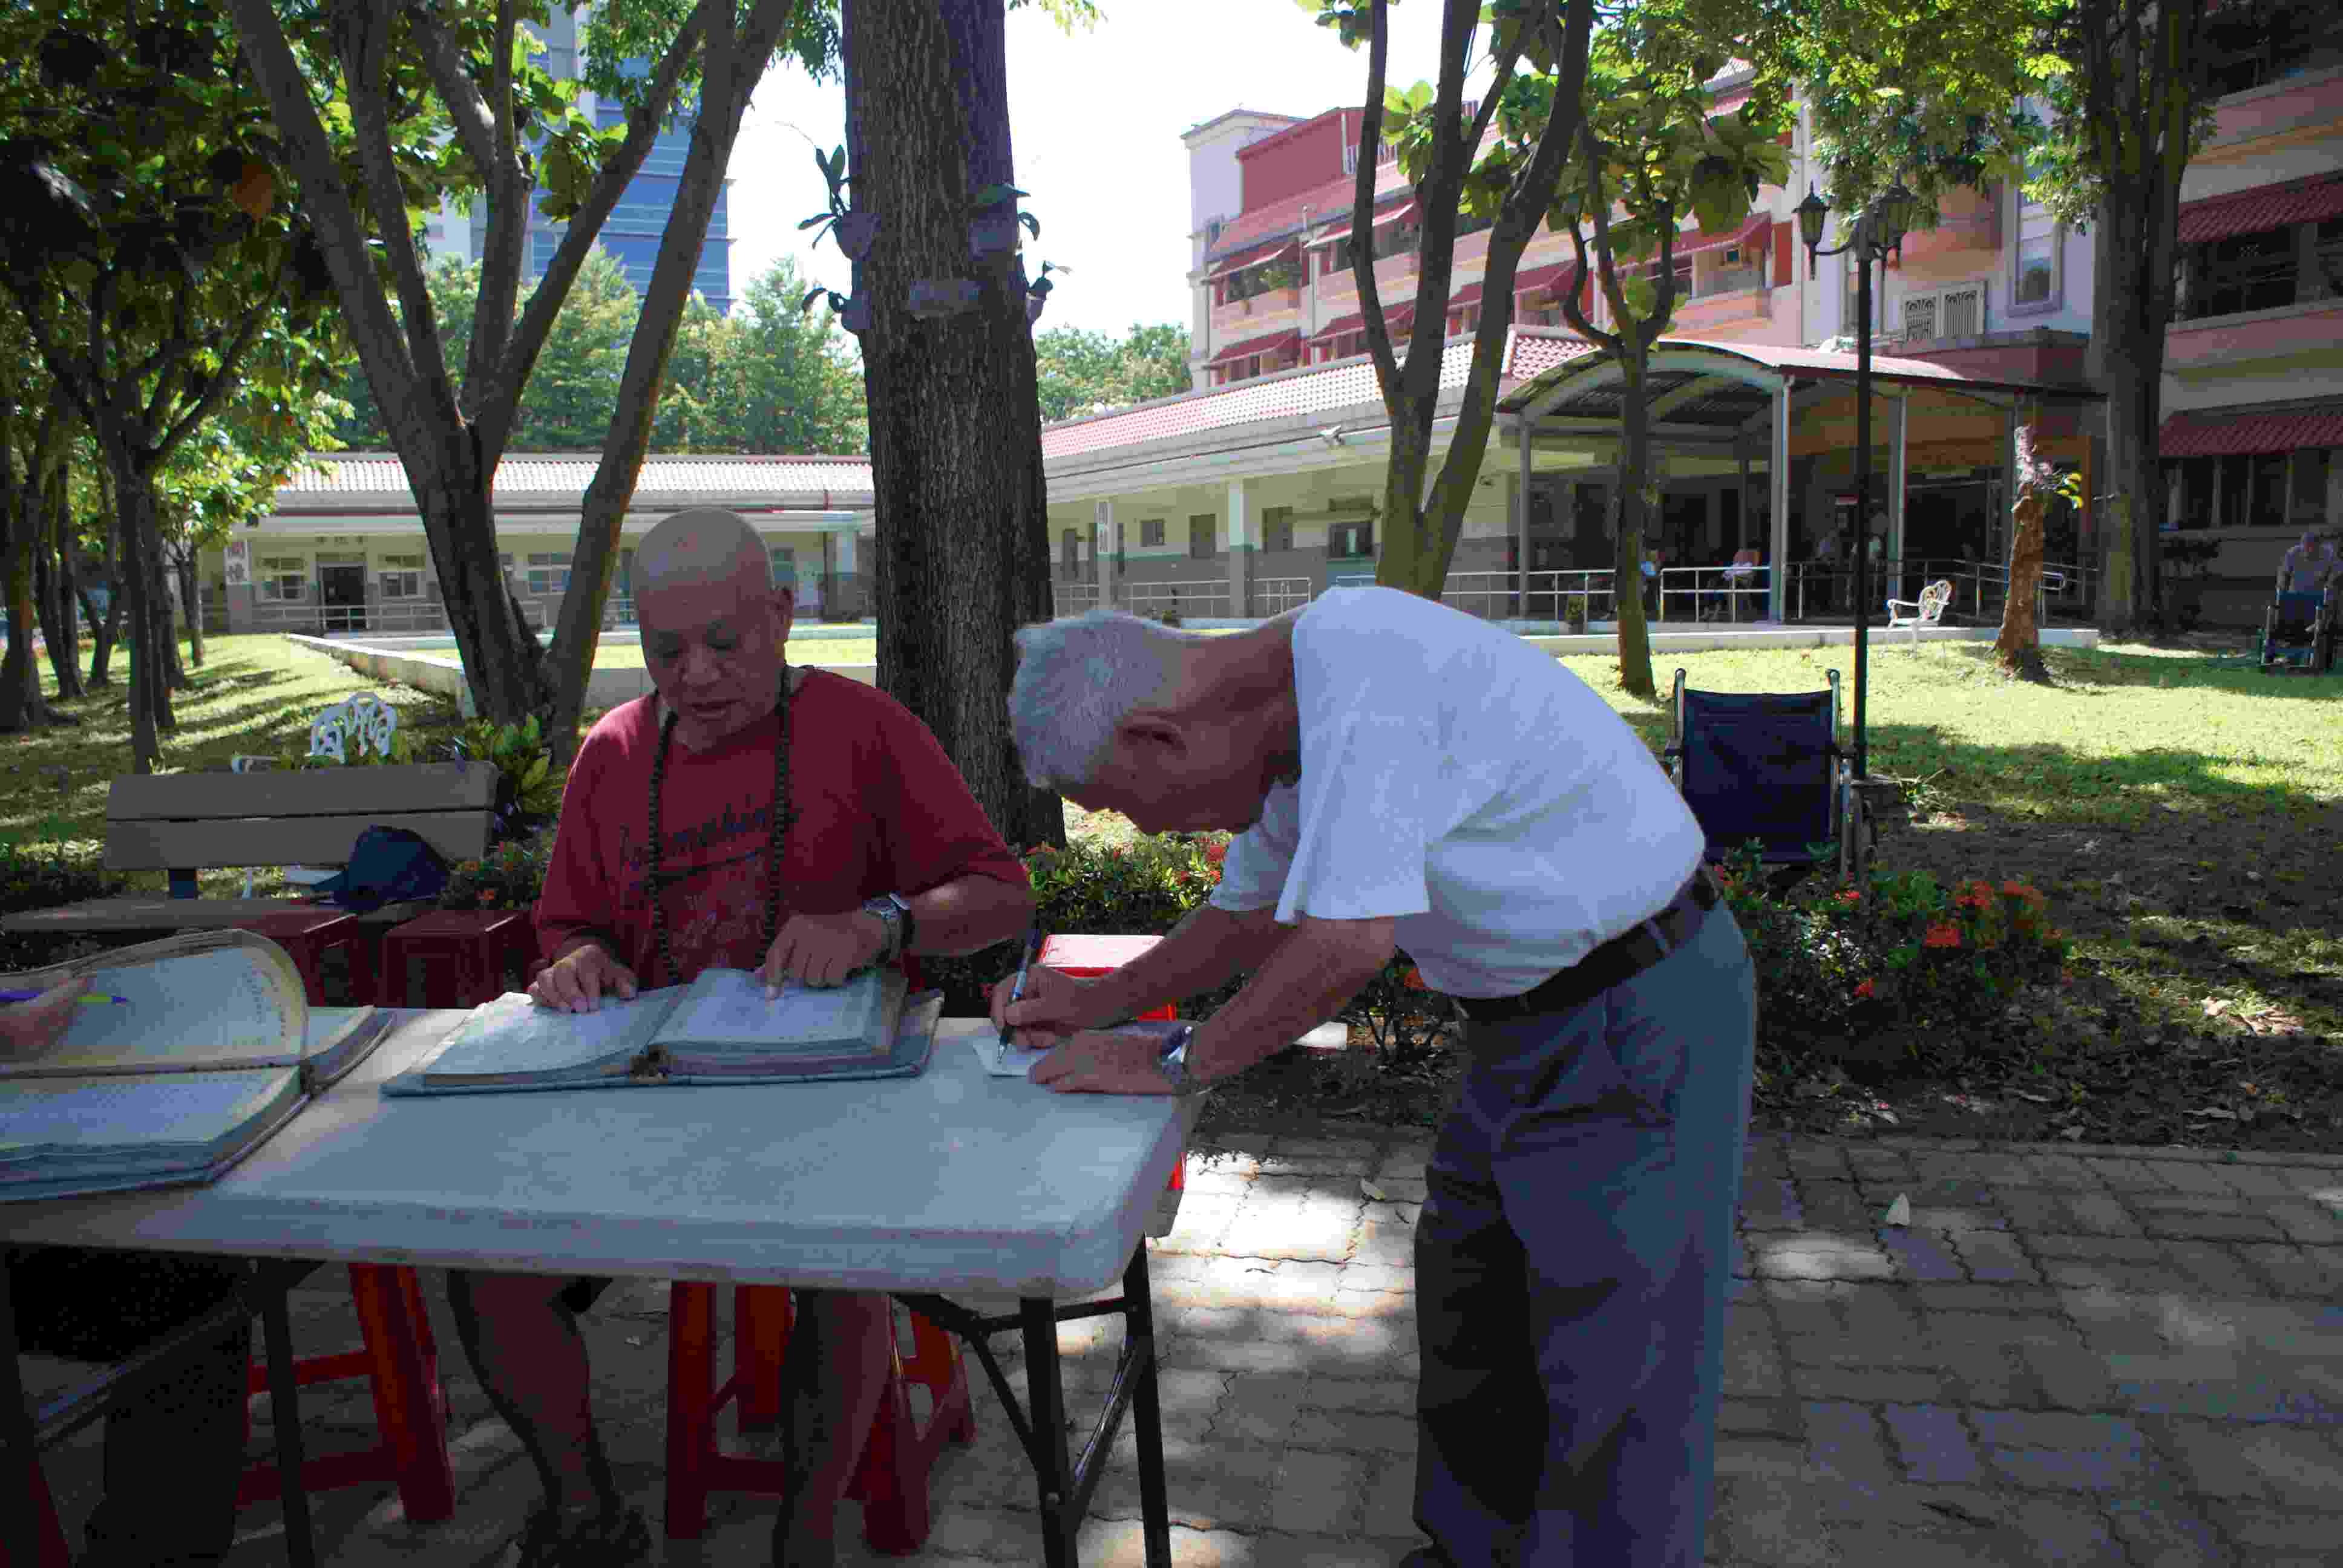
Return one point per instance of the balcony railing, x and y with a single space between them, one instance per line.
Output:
1183 599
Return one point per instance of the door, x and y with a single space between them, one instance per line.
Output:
342 590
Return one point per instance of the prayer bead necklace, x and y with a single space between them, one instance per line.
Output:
775 834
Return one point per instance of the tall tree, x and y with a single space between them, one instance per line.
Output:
948 364
515 127
793 384
1648 147
35 428
1538 57
147 256
1085 372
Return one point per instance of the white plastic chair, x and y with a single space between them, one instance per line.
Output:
363 721
1928 609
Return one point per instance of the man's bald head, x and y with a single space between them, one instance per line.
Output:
698 548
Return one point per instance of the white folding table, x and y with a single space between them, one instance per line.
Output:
951 1182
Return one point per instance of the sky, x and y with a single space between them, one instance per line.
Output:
1096 119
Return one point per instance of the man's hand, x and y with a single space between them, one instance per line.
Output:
30 1029
578 979
823 949
1094 1063
1053 1009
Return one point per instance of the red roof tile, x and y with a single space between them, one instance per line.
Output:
1536 351
2266 207
2235 435
1268 342
1326 202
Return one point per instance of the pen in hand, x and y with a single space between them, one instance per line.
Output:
1017 991
91 999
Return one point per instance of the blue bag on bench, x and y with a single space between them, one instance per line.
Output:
386 866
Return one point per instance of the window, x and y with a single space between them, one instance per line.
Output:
1954 312
2241 490
783 564
1281 271
402 577
1353 540
2257 271
2260 47
1277 528
1202 525
282 579
1070 550
1463 321
2036 285
1151 533
549 573
1736 267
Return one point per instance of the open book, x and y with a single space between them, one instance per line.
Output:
212 1049
719 1029
1006 1058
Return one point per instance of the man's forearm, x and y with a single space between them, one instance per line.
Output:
968 914
1320 966
1208 947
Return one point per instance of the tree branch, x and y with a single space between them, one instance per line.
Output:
1362 205
230 372
498 398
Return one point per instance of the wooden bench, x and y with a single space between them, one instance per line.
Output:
181 822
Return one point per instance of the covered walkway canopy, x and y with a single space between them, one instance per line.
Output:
1767 404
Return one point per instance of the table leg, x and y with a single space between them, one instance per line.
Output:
406 1394
690 1413
1146 1414
284 1416
1046 1404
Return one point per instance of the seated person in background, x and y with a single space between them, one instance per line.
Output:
2309 566
173 1451
755 817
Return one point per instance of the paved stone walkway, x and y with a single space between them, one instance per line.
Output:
2070 1356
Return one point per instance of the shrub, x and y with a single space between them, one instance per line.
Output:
40 871
509 877
528 786
1878 972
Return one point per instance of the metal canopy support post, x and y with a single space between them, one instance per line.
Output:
1102 547
1897 477
1862 500
1741 503
1242 538
1778 476
1523 424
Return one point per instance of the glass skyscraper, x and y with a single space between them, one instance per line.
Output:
633 230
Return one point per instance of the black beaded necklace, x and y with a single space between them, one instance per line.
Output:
776 833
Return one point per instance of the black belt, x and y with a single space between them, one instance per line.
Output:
1625 956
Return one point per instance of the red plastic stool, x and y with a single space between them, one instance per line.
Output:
479 945
1086 957
308 934
891 1481
401 1360
50 1551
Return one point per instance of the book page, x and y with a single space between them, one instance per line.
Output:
92 1115
513 1038
189 1003
728 1006
1003 1060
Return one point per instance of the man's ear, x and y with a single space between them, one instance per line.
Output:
1149 737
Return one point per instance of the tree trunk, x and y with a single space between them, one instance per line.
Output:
191 605
1634 499
955 422
21 706
733 68
503 661
105 628
2018 647
53 585
135 529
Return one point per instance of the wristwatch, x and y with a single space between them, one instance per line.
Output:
892 913
1173 1063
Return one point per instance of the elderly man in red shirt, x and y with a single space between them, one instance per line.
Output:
755 817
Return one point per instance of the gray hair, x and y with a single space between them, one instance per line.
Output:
1077 681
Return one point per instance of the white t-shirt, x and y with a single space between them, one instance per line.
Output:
1461 782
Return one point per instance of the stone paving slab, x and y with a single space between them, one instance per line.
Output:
2072 1355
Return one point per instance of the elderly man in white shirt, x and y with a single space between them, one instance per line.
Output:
1407 777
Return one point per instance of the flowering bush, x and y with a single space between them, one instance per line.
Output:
1865 964
509 877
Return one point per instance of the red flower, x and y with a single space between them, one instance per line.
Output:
1943 934
1864 991
1849 897
1414 978
1215 852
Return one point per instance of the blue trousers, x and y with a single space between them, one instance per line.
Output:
1572 1260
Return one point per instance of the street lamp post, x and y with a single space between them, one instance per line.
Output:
1878 232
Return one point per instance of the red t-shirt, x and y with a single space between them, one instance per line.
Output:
879 809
